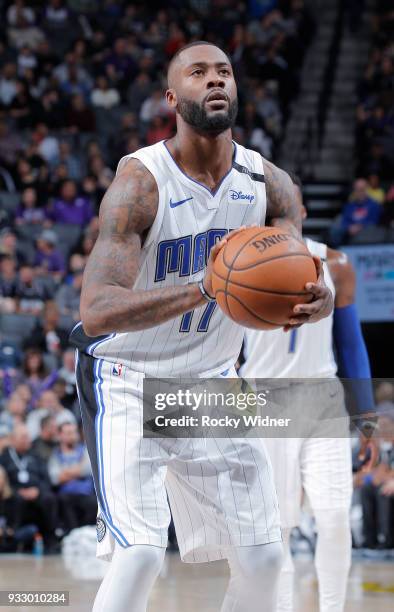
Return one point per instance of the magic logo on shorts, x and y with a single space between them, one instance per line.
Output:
101 529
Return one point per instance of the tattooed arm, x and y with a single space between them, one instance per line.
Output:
282 210
108 301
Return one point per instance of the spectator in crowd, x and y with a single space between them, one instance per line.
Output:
51 109
9 246
8 80
47 145
32 291
29 212
18 10
384 396
48 404
36 375
377 492
361 210
375 191
68 296
80 118
8 283
56 15
139 91
48 335
28 476
104 96
13 535
46 442
16 408
10 375
70 160
26 60
102 174
6 427
69 471
21 108
120 67
24 33
160 129
47 258
70 207
67 374
11 145
24 391
154 106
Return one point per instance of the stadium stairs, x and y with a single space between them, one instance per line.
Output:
319 139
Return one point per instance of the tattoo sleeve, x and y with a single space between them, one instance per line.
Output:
282 209
108 301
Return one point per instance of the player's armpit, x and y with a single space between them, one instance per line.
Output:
108 301
282 209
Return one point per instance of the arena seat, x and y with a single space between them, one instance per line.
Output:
69 236
16 327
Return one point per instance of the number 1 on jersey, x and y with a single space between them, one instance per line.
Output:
293 340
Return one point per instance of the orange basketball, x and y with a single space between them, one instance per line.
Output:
260 275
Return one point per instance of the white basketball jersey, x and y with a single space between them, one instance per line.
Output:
305 352
190 219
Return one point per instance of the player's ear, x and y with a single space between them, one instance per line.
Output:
171 98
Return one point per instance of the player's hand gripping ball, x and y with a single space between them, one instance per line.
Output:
260 275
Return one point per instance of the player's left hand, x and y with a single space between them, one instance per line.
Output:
320 306
371 445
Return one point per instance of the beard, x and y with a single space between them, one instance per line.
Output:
195 115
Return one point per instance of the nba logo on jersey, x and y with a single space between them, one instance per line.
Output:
117 369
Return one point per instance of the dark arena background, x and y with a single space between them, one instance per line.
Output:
82 84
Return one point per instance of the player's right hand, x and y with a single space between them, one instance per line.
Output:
207 281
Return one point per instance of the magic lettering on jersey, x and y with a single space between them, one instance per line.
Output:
186 255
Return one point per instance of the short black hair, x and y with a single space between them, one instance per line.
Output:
196 43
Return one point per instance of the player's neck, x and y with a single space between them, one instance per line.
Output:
207 159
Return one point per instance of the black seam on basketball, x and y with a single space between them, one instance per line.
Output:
271 259
250 311
235 257
263 290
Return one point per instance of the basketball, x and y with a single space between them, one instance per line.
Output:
260 275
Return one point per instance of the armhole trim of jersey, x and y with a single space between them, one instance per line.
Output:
259 167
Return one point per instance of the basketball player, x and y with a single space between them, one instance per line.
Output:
322 467
147 310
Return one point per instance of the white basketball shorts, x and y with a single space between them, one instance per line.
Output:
220 490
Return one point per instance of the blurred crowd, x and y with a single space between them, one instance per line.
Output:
370 207
375 111
81 84
375 490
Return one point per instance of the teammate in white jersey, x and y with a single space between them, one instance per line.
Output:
321 467
147 309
